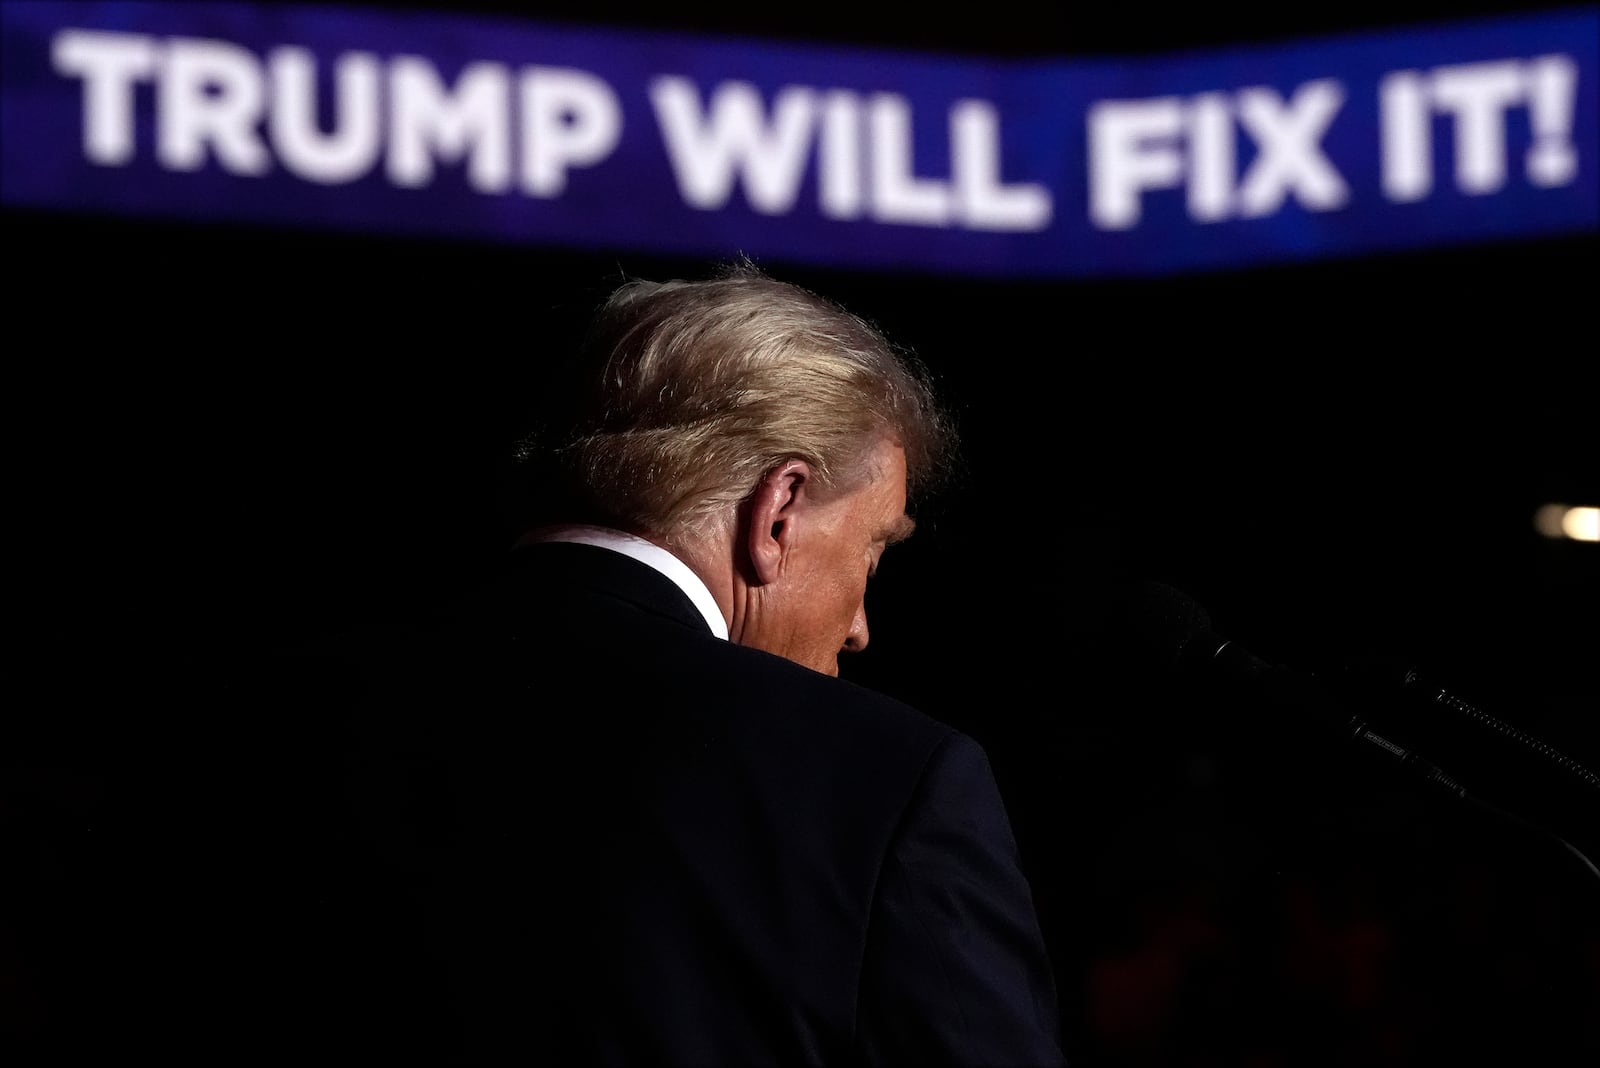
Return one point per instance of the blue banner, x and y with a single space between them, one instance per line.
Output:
508 130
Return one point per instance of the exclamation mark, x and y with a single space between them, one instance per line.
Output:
1552 92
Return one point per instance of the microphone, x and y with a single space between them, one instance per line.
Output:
1178 640
1177 635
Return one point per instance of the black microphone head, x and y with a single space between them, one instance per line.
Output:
1177 642
1164 621
1176 636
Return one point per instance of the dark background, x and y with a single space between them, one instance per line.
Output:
231 441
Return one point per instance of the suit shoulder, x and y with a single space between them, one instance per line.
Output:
823 705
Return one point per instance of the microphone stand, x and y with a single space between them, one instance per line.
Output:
1566 774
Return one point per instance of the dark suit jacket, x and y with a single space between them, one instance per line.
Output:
627 841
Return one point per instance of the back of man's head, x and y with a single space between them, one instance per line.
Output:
685 393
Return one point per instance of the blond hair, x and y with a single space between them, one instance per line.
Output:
688 392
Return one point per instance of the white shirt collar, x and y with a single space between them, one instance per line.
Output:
646 552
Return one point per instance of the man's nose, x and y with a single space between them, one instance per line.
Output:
856 639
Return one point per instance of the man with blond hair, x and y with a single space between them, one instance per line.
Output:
675 836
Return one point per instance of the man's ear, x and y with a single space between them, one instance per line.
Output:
771 517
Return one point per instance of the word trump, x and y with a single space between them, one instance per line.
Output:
211 97
528 130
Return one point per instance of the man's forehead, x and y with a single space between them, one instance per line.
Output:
887 486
